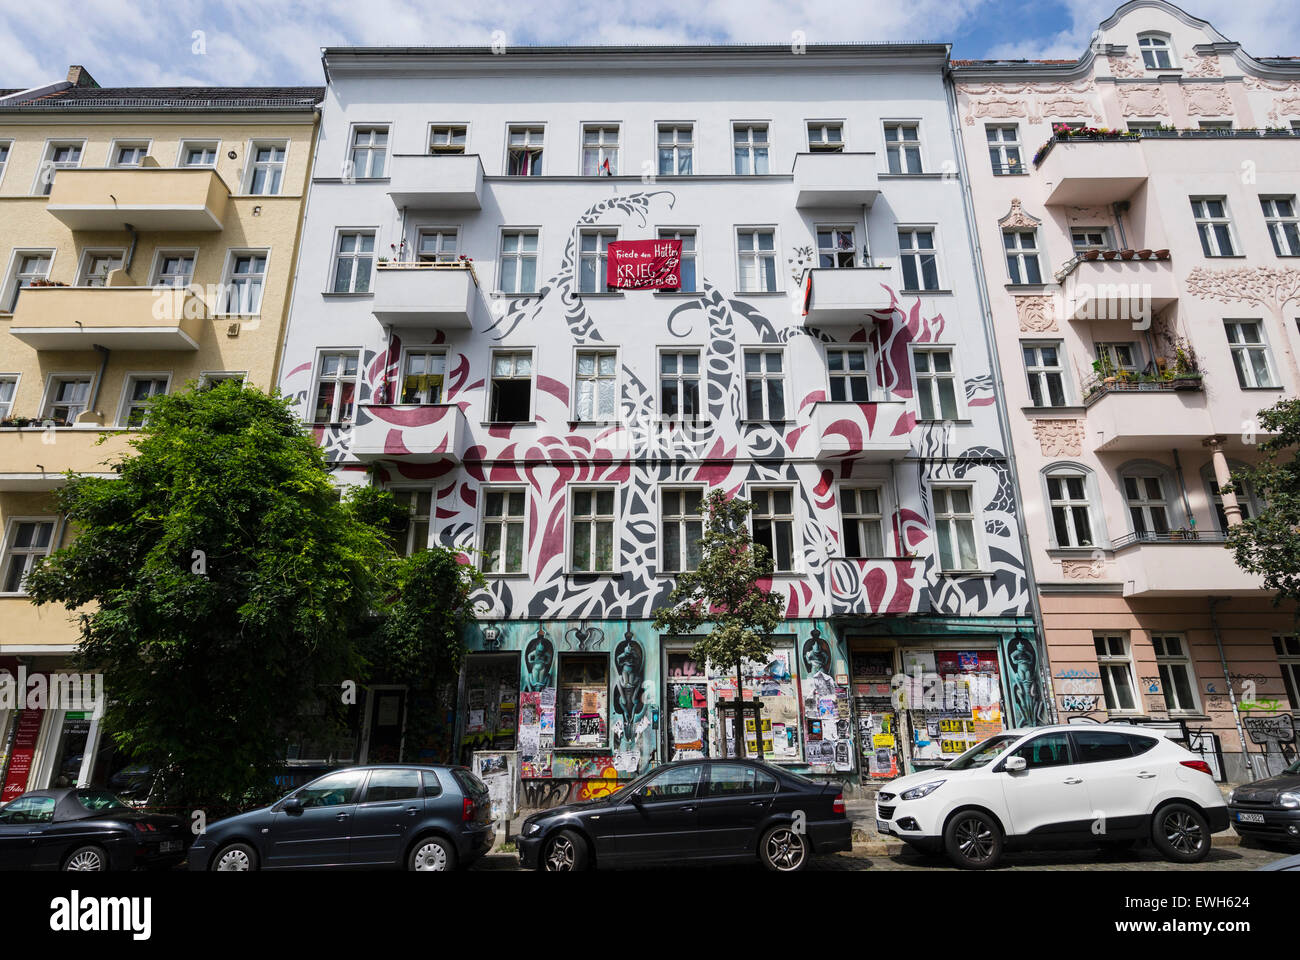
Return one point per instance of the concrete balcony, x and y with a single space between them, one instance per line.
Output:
835 180
1181 564
410 433
878 431
30 628
34 459
1117 289
148 198
1087 173
120 318
1146 416
441 295
436 182
843 298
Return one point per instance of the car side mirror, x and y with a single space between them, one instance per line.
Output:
636 799
1015 764
292 805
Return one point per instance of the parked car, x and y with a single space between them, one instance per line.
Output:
693 811
405 816
1268 809
1111 785
70 828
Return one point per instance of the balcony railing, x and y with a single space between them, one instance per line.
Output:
1095 389
1168 536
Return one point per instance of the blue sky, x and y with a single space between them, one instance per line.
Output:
239 42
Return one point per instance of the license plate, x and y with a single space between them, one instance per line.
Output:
1250 818
169 846
882 826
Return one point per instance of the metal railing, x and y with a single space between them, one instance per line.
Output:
1168 536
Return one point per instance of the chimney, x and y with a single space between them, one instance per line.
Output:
79 76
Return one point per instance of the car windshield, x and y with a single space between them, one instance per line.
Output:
98 800
983 753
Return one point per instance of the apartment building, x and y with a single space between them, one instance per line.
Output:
148 237
454 337
1136 216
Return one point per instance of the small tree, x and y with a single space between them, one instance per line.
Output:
1269 544
724 592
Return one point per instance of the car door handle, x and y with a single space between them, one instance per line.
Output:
1073 780
341 816
412 810
1145 776
758 803
688 809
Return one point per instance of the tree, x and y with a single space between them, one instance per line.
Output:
724 592
1269 544
228 580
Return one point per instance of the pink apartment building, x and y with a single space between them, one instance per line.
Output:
1144 289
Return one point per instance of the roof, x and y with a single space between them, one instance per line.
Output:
221 99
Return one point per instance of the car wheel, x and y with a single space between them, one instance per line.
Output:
236 856
1181 833
432 853
973 840
89 858
566 852
784 849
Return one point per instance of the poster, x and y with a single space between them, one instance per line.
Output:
644 265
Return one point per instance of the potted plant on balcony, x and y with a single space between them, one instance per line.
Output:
1277 132
1144 254
1109 254
1127 254
1160 255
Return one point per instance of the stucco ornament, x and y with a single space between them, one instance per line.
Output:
1143 100
1273 288
1194 66
1059 438
1207 101
1036 314
1016 217
1128 66
1066 107
1090 569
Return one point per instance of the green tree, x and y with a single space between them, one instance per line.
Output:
227 580
1269 544
723 592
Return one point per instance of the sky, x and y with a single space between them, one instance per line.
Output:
256 42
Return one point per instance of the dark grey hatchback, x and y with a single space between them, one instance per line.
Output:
412 817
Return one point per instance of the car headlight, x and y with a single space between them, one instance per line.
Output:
1232 794
924 790
1290 799
531 829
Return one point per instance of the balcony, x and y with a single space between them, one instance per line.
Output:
1091 171
1118 289
1148 415
436 182
878 431
441 295
835 180
35 458
1185 563
845 297
409 433
148 198
120 318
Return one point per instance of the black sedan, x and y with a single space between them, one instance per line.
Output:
417 817
1268 809
693 811
86 829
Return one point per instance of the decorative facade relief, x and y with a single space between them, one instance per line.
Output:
1016 217
1271 287
1036 314
1059 438
1032 101
1129 66
1143 100
996 108
1194 66
1207 101
1288 104
1089 216
1090 569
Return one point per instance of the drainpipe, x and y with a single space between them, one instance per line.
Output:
99 380
1182 488
1000 404
1232 697
130 251
1115 208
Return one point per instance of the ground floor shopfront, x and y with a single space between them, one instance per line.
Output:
1222 676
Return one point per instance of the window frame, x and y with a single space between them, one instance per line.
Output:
116 144
958 389
318 373
847 374
1163 42
90 253
750 144
759 255
592 520
162 253
449 125
1263 346
608 234
1041 373
1142 470
233 256
916 253
355 257
370 149
701 384
1276 223
675 125
8 376
1165 660
601 127
518 258
1117 661
191 143
505 489
881 489
424 349
834 228
892 146
1021 255
1065 470
1005 168
1288 665
413 491
442 231
1209 239
680 233
681 520
977 528
12 278
526 126
47 162
7 547
251 165
48 397
129 377
532 382
561 685
597 351
6 156
765 376
826 146
795 520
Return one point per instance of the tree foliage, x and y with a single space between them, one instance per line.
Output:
1269 544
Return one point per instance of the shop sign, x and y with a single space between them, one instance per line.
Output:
20 757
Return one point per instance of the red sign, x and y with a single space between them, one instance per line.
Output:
20 756
644 265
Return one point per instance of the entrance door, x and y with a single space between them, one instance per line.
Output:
1050 796
489 708
384 724
321 832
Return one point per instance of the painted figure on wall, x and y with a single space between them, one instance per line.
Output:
629 690
816 655
1026 694
539 656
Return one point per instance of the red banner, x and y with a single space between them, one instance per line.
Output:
644 265
20 756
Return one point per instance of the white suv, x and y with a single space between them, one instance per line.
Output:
1106 784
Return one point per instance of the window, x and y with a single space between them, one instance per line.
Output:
863 521
825 136
422 376
593 257
29 810
450 138
1004 148
836 248
336 387
596 376
1099 746
1071 504
96 265
266 172
1283 225
764 385
58 156
135 403
1143 127
772 512
1288 658
849 377
591 524
5 146
29 541
1245 494
512 387
676 149
437 245
524 153
8 387
519 261
1121 356
917 255
954 521
332 790
369 152
1177 675
676 783
1215 124
1049 750
66 398
392 786
122 154
1214 226
903 145
756 260
686 269
731 779
503 531
1022 256
194 153
174 268
214 378
1089 238
1148 508
1156 53
679 384
1250 354
419 509
1116 672
749 146
599 151
245 278
353 261
936 383
681 528
1046 375
28 267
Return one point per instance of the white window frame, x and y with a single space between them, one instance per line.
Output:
1141 471
48 398
916 253
825 144
529 128
1243 346
198 143
11 529
161 254
1089 504
767 377
370 149
49 163
958 386
128 143
1277 223
680 520
751 146
601 147
1003 166
679 377
1289 665
425 350
211 378
758 255
1103 242
532 381
409 496
596 377
796 546
952 517
228 275
1039 373
517 258
693 255
318 378
1018 257
1246 500
880 488
1162 42
355 256
1108 662
7 406
896 146
252 165
676 146
442 232
1171 661
449 148
835 250
595 519
1206 225
14 274
129 378
505 520
6 153
604 237
848 375
88 255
